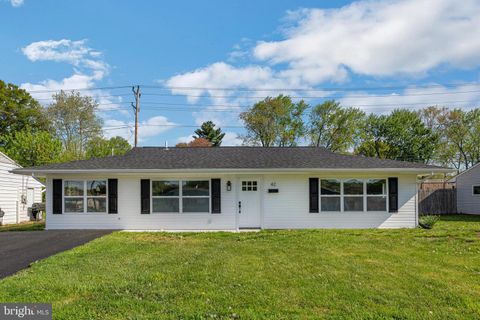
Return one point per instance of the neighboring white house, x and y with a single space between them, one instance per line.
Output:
229 188
17 192
468 190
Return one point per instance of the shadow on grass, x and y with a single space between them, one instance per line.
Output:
460 217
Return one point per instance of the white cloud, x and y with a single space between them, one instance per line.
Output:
377 39
16 3
231 139
185 139
466 95
88 68
146 129
368 38
223 75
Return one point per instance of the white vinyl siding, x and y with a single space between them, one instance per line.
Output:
287 209
12 188
467 202
129 214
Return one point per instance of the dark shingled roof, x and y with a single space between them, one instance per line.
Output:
230 158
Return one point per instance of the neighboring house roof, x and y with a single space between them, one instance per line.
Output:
9 161
229 158
6 159
453 179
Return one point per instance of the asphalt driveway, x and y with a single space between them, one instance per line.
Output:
19 249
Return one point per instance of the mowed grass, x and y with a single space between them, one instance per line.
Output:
25 226
336 274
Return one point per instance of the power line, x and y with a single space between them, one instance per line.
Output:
416 86
390 95
78 89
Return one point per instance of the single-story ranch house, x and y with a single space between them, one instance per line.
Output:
230 188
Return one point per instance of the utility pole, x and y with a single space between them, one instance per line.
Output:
136 107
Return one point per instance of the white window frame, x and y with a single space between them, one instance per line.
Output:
330 195
166 197
343 195
181 196
85 196
353 195
383 195
473 190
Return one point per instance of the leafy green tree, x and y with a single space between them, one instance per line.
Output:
401 136
19 110
333 127
208 131
101 147
459 133
75 121
274 122
373 142
30 148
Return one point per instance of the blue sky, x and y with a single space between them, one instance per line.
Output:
376 55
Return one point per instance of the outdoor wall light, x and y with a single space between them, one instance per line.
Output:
229 186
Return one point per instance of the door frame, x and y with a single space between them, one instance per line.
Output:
238 187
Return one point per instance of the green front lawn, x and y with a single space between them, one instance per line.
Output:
387 274
25 226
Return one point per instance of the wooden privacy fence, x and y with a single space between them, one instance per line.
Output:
439 201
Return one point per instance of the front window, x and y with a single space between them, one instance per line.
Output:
330 191
174 196
80 196
165 196
353 195
376 195
96 196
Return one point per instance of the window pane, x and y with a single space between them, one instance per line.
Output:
376 203
476 190
376 186
195 188
96 204
353 186
330 203
330 186
165 204
73 188
96 188
353 204
73 204
165 188
196 204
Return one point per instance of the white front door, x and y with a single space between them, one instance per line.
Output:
249 202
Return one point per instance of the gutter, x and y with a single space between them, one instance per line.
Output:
230 170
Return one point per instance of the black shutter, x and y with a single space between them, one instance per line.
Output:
216 196
57 196
392 194
145 196
112 195
313 203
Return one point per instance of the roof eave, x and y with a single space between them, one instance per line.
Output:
45 172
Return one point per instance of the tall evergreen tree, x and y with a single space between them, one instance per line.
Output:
208 131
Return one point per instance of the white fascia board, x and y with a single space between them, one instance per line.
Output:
43 173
